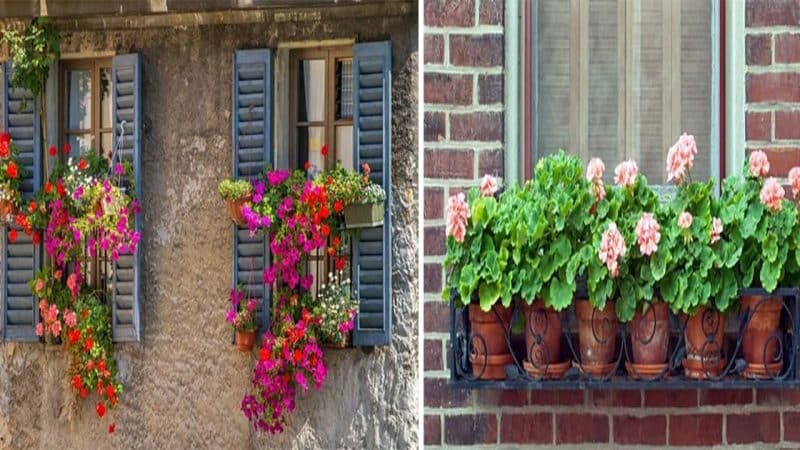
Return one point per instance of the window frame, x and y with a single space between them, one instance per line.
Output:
94 65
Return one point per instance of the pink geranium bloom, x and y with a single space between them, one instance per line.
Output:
716 229
595 169
794 180
680 158
772 194
758 164
625 173
71 319
488 185
612 246
457 215
647 234
685 220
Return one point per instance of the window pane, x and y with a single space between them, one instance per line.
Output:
106 146
79 99
80 144
311 91
105 98
344 145
344 89
309 147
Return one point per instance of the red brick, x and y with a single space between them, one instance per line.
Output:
481 50
695 429
561 398
775 397
433 430
758 126
581 428
434 49
491 12
447 13
434 126
787 124
756 427
781 160
490 89
676 398
503 397
726 397
433 278
758 50
435 242
650 430
526 428
773 87
615 398
470 429
441 163
476 126
433 355
437 317
438 394
491 162
787 48
449 89
434 203
791 426
762 13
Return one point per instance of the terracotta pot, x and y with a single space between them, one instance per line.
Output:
235 209
597 333
489 350
245 340
650 334
7 208
704 335
760 343
542 334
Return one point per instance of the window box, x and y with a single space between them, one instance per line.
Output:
365 215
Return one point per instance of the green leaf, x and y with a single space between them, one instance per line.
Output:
561 293
658 265
770 247
770 275
752 219
488 293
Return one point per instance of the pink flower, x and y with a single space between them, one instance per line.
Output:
759 164
625 173
612 246
39 329
39 285
457 215
56 328
647 234
716 229
685 220
488 186
595 169
680 158
71 319
794 180
772 194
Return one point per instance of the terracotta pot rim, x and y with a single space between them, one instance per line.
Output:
491 360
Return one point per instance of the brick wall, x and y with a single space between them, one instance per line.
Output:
463 140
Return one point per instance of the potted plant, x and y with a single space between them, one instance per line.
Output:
478 275
765 224
237 194
10 179
363 201
242 316
336 309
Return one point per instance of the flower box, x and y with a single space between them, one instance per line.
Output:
364 215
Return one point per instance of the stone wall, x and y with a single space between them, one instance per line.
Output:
184 381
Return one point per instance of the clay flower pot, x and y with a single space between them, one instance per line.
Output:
597 333
489 349
245 340
235 209
7 209
760 343
650 334
704 335
542 334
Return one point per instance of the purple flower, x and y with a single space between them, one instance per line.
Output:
277 177
119 169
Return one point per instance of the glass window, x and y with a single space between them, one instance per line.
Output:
86 121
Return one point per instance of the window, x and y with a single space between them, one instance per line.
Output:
622 80
85 113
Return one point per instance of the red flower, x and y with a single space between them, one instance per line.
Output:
307 165
74 336
84 392
324 212
77 383
340 262
37 238
325 150
331 251
101 409
12 235
366 169
82 164
84 313
326 230
67 148
52 150
298 356
264 354
306 316
110 391
101 366
87 345
90 365
32 206
11 170
112 427
48 187
3 150
338 206
60 188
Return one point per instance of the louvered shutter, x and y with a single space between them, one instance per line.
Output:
372 247
20 259
127 118
252 151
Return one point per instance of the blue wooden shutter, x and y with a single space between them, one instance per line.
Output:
372 248
126 98
252 151
20 260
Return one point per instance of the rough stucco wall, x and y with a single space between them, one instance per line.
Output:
184 380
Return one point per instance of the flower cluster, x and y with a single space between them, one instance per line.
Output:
488 185
457 217
625 173
647 234
612 247
594 174
758 164
10 172
772 194
352 187
680 158
335 308
241 314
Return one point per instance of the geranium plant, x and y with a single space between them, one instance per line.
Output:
336 308
10 177
241 313
234 189
353 187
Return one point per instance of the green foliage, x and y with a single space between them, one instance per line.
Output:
32 52
352 187
234 189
